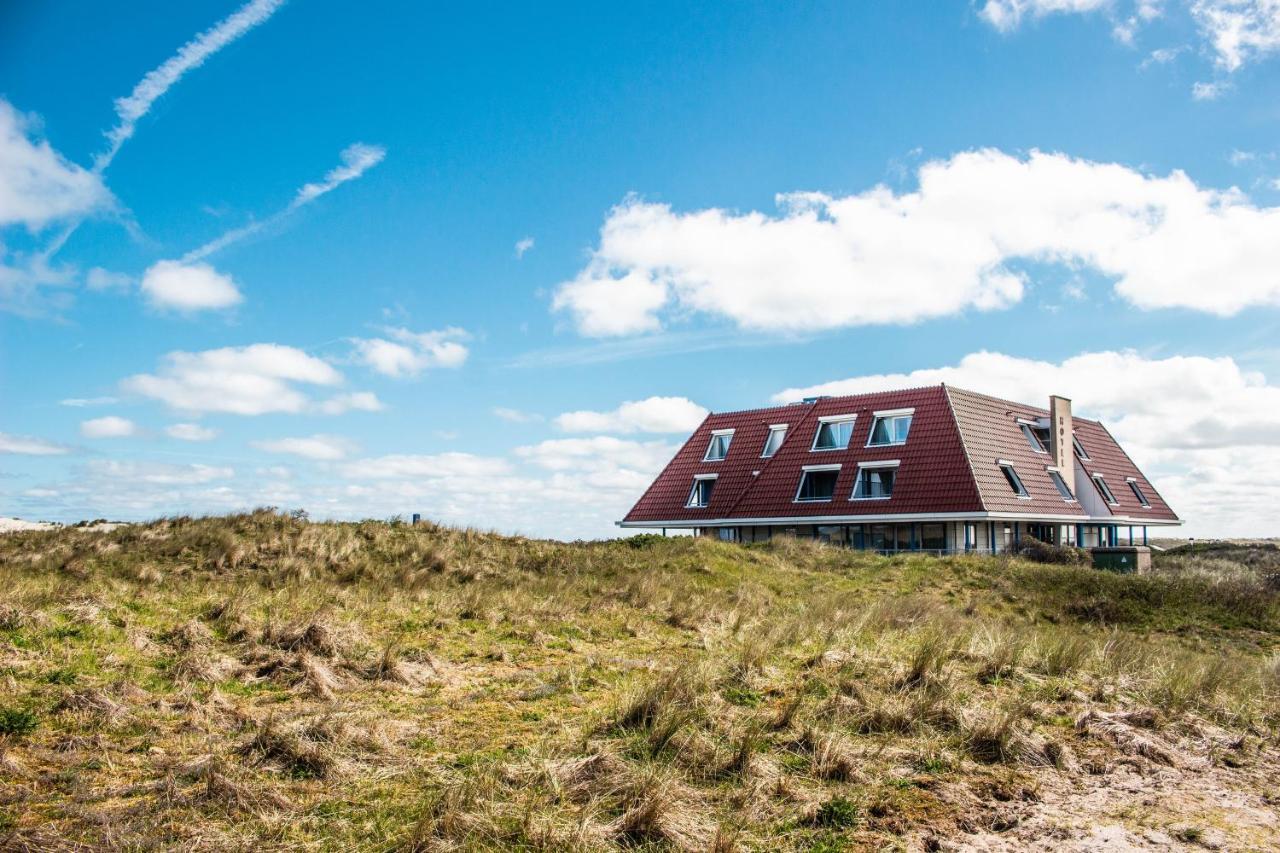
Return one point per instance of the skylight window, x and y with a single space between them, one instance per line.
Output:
875 481
719 446
1079 448
1015 482
700 495
1061 485
1033 439
1105 489
817 484
890 428
777 433
1137 492
834 432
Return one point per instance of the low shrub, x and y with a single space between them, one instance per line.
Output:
17 722
1030 548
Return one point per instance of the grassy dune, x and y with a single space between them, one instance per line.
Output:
259 681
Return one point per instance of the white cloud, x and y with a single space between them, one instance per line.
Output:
524 244
356 160
81 402
1007 15
1162 56
359 401
607 304
430 467
1201 91
1236 31
158 473
319 447
190 432
515 416
193 54
250 380
881 257
37 184
654 414
108 427
1204 429
1239 30
189 287
102 279
30 286
26 445
408 353
585 466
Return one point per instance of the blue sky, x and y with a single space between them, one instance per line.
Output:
491 264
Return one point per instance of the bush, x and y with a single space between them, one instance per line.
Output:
1036 551
836 813
644 540
17 722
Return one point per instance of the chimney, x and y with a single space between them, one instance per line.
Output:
1060 444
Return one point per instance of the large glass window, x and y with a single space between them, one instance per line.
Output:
833 434
818 485
1061 485
875 482
719 446
700 495
933 537
1137 492
777 433
889 429
1033 439
1015 482
1105 489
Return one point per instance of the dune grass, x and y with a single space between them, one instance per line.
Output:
260 680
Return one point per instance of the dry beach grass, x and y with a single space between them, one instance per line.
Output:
259 681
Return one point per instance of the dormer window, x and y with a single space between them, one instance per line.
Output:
719 446
777 433
1137 491
700 495
1061 485
817 483
1015 482
1105 490
890 428
1030 433
875 480
834 432
1075 442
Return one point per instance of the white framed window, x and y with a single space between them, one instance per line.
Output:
719 447
890 427
700 494
1061 485
1011 475
1105 489
1075 442
1137 491
777 433
817 483
875 480
1032 436
834 432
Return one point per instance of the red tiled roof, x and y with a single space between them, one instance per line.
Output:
947 465
991 432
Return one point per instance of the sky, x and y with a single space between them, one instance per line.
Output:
493 264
